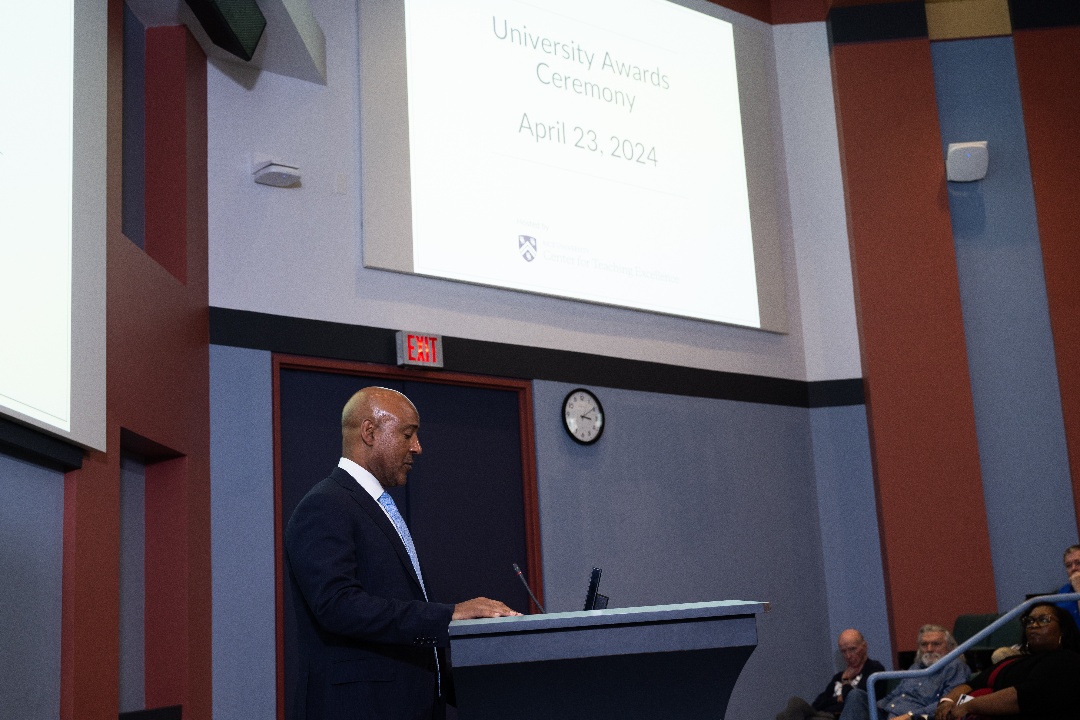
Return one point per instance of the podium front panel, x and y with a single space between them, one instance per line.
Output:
673 661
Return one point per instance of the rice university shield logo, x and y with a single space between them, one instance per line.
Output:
527 247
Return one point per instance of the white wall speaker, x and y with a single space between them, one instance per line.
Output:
274 173
966 161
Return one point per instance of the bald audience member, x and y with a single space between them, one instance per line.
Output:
830 703
367 632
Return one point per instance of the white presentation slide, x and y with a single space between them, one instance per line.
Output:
36 83
589 149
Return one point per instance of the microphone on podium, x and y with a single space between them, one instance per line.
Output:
527 589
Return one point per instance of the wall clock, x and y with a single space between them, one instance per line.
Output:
583 416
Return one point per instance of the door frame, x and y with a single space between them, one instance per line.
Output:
523 389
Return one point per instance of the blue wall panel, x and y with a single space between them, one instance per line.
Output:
1006 322
132 584
242 534
850 538
31 565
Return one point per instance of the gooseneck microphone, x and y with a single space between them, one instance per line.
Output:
522 579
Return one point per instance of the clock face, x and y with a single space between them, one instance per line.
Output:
583 416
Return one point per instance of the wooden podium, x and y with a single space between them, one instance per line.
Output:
668 661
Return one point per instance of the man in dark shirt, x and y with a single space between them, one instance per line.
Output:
829 704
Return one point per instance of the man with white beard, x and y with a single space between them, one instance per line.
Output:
915 698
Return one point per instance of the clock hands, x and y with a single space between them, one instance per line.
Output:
583 416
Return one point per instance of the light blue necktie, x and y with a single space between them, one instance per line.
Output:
403 531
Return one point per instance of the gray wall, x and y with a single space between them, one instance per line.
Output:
683 499
242 534
688 499
31 564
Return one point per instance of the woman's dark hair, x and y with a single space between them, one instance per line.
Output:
1070 634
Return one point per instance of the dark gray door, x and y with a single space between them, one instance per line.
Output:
464 499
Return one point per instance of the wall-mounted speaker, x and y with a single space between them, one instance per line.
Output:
233 25
966 161
275 173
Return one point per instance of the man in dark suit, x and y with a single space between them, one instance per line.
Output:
367 632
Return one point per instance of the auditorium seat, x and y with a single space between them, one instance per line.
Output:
978 656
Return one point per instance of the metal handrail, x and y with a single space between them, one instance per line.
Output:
962 647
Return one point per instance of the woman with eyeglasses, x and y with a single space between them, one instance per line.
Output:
1038 684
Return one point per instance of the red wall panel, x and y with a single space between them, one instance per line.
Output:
921 417
90 628
166 200
758 9
782 11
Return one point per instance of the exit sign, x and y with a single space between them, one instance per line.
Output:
419 349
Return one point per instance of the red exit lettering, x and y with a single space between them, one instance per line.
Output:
422 349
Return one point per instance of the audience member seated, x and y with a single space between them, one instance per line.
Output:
915 697
830 702
1038 684
1072 570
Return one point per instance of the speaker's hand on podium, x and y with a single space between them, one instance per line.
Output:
481 607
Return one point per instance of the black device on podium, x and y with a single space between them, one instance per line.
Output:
593 599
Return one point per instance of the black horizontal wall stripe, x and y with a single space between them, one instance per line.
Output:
35 446
1031 14
874 23
298 336
339 341
835 393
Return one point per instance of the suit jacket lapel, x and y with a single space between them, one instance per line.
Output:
378 516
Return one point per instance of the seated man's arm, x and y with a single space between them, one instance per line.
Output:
1002 702
955 674
827 697
951 698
